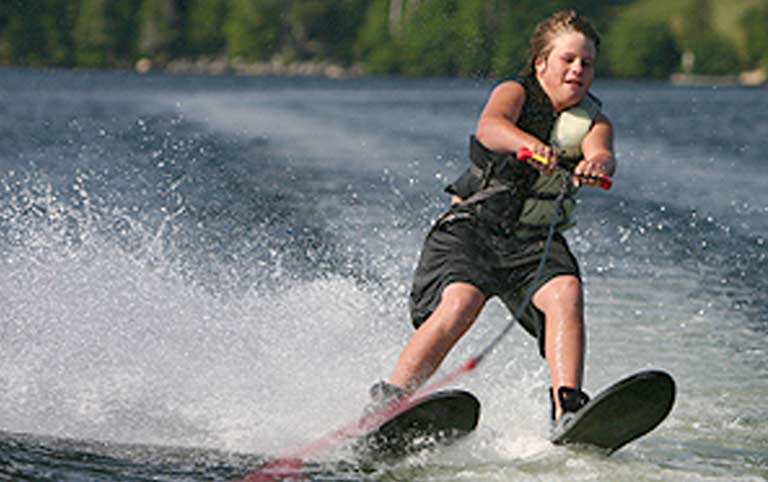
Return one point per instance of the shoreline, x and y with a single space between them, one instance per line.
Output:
217 66
751 78
223 65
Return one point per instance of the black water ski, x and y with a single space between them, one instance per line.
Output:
437 419
621 413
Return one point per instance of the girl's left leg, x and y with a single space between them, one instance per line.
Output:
561 301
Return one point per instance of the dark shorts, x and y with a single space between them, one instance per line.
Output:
458 250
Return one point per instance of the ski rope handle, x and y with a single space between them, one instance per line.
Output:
524 154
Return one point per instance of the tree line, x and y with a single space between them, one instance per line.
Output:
641 38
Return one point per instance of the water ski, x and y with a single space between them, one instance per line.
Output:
621 413
436 419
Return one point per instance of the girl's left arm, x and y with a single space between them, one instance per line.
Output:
597 148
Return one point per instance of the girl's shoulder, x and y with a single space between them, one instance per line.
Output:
509 87
510 80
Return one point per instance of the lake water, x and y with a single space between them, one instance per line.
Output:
198 273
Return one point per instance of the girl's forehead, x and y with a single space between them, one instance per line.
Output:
573 41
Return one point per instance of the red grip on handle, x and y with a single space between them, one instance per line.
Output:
523 154
605 182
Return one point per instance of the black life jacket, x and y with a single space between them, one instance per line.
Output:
510 195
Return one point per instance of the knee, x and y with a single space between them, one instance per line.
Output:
568 287
559 293
459 306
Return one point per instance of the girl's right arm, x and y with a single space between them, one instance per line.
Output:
497 129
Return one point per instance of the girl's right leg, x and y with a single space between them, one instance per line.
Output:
460 304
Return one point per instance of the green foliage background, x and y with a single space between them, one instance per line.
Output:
474 38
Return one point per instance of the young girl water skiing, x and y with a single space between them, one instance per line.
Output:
491 240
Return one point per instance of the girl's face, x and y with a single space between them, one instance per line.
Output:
567 72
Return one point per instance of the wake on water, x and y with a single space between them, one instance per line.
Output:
159 290
112 332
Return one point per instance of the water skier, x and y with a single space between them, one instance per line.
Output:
490 241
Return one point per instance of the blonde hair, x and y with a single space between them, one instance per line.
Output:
564 21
